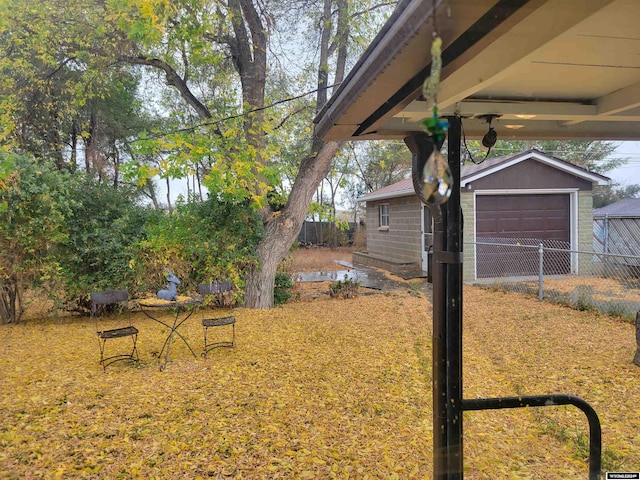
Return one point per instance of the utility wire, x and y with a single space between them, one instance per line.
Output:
231 117
211 122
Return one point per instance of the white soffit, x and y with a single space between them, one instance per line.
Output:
552 69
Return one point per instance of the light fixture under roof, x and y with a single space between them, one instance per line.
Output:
491 137
525 116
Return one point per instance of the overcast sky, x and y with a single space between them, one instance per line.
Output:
628 174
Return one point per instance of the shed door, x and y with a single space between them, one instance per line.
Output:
524 221
427 237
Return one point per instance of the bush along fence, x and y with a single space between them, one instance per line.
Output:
609 283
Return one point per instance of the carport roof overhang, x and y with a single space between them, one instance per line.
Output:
552 69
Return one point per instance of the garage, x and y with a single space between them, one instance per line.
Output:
510 205
525 221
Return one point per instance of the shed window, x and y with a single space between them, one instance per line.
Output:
384 215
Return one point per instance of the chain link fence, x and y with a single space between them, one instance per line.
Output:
550 271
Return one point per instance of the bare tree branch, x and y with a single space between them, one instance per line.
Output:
291 114
373 8
174 80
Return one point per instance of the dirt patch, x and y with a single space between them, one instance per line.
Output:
310 267
311 290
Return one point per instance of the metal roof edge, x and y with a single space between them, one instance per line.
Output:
386 196
509 160
407 17
615 215
390 192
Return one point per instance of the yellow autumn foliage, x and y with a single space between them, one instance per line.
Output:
321 388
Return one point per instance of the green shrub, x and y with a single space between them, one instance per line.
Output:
347 288
34 204
101 249
203 241
283 288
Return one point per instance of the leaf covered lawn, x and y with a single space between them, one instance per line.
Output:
321 388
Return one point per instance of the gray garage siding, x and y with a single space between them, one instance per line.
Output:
402 241
530 174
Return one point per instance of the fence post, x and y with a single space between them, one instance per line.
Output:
540 270
636 359
605 229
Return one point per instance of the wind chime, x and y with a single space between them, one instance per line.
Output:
437 180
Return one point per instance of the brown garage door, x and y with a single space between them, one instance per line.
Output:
523 221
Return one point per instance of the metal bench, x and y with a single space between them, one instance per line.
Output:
118 298
217 289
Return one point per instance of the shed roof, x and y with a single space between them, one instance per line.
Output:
626 208
395 190
472 172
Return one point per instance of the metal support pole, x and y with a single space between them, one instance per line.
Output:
439 350
447 308
448 403
452 259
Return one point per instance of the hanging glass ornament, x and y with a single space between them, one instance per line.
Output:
437 179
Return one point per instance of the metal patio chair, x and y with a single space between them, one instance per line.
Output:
118 299
217 289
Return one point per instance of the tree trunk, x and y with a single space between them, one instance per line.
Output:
248 48
116 166
271 251
168 182
91 148
74 143
199 181
10 301
282 230
150 191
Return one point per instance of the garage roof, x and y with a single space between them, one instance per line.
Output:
626 208
552 69
472 172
